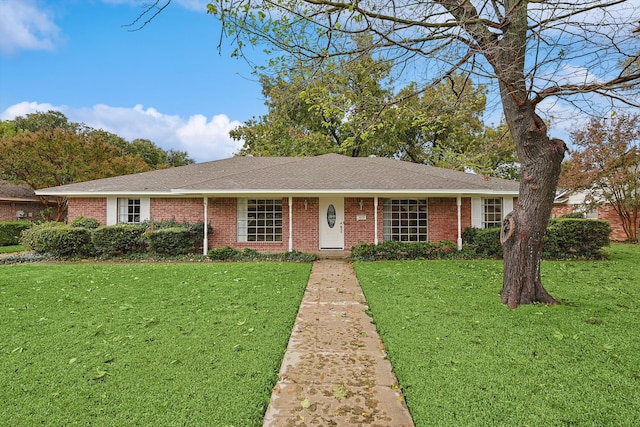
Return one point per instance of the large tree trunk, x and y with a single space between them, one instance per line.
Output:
523 229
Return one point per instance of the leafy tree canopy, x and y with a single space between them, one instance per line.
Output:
348 106
606 166
46 150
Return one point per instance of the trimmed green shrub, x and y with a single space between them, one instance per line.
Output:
171 241
119 239
228 253
576 238
299 256
90 223
392 249
566 238
196 230
575 215
58 239
10 231
469 235
487 242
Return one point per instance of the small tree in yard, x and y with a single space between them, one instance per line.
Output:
530 51
607 168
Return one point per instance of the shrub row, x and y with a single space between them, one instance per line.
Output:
566 238
84 237
10 231
228 253
391 250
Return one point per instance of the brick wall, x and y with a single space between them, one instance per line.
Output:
93 207
559 210
360 230
31 210
443 217
189 210
607 213
306 224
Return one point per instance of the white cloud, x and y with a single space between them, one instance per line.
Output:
26 26
23 108
204 139
572 74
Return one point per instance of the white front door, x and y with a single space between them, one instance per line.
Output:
331 223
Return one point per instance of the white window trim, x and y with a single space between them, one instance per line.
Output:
242 233
112 209
502 210
385 218
477 209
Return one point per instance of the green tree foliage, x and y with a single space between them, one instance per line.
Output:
154 156
443 126
348 106
606 167
320 108
46 150
43 121
52 157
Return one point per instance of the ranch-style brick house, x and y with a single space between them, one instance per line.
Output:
308 204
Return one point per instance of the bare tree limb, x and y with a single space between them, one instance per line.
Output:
149 13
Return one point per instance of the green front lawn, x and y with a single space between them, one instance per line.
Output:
144 344
463 359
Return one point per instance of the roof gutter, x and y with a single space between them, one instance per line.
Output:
281 192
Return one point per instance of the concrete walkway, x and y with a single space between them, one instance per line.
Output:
335 372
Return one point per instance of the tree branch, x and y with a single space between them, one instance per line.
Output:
573 89
152 9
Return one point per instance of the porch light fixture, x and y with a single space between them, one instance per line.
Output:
361 203
305 204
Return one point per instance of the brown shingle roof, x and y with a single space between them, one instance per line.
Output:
321 174
14 192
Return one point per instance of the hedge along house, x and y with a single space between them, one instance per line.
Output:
308 204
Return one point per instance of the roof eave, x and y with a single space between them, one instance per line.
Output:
283 192
103 193
350 192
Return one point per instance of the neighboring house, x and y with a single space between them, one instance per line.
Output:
567 202
309 204
19 202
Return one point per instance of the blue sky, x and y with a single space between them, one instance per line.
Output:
166 82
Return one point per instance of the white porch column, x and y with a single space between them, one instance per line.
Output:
459 204
112 210
205 242
375 220
290 223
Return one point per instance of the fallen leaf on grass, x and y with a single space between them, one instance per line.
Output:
100 374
